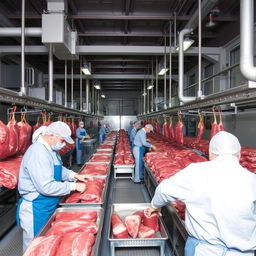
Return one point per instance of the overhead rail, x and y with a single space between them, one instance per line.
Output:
11 97
247 42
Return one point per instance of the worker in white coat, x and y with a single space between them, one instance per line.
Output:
140 143
129 129
81 134
220 198
43 179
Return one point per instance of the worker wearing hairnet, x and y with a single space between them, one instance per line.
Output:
81 135
136 127
102 133
43 179
140 142
220 198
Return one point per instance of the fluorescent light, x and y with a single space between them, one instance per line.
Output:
103 96
186 44
144 94
163 71
86 69
150 87
96 86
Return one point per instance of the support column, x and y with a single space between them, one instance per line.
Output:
50 68
72 84
66 86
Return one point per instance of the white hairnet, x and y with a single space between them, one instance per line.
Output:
149 126
40 131
137 123
224 143
60 129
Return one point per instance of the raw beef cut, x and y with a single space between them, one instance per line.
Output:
146 232
128 159
73 128
171 131
200 128
43 246
132 223
76 244
139 213
92 192
85 215
119 159
4 140
118 228
179 131
166 129
37 125
95 169
151 221
61 227
13 136
9 172
73 198
100 158
220 126
214 128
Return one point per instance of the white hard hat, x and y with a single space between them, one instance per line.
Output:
149 126
224 143
60 129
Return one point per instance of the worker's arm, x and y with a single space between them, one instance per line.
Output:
40 168
181 186
144 140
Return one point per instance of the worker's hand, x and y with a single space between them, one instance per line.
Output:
148 140
83 177
86 137
151 210
153 147
80 187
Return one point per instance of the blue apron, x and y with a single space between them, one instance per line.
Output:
192 243
79 146
142 152
43 206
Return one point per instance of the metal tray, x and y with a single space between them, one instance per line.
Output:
99 221
128 166
125 209
89 163
78 205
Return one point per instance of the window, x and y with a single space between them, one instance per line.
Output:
208 85
236 78
191 91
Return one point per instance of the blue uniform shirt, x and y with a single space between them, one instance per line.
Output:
141 139
132 135
78 133
129 130
102 130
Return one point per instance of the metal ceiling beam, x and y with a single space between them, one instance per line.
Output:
110 50
119 66
110 76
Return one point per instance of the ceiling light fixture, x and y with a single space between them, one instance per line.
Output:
86 69
150 87
210 23
97 86
186 44
103 96
162 71
144 94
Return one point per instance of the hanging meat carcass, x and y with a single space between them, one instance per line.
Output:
4 140
214 128
171 130
179 130
13 134
220 125
166 129
200 128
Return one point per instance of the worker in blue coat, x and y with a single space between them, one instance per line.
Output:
81 134
102 133
140 144
129 129
43 179
136 127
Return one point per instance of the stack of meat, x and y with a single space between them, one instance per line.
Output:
92 193
248 158
136 225
95 169
71 233
67 148
100 158
123 150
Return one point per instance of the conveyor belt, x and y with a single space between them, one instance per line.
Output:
125 191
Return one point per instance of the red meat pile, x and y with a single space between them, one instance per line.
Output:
9 172
92 193
123 159
100 158
137 225
248 158
95 169
72 233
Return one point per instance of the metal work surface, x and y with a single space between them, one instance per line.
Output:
11 244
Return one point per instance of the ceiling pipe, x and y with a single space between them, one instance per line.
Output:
182 98
22 32
247 33
15 32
